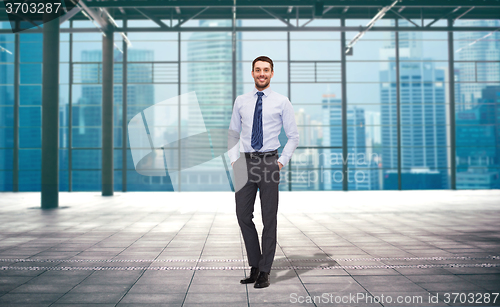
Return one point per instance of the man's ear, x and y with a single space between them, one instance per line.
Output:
252 74
272 73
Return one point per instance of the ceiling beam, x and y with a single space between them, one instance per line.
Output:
443 16
407 19
75 10
462 15
324 11
248 10
152 18
89 10
266 29
277 17
193 16
286 3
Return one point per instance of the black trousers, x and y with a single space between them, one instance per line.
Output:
250 174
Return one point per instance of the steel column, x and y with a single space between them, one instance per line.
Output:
107 114
179 126
15 150
124 111
233 89
345 186
70 112
398 105
451 90
233 52
290 97
50 115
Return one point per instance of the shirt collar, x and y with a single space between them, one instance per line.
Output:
266 92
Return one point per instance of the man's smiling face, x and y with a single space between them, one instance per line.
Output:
262 74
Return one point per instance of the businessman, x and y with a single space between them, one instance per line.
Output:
256 124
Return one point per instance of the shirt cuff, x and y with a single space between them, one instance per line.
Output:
282 160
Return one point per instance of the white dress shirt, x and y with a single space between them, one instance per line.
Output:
277 111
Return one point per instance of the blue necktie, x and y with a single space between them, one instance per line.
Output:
257 137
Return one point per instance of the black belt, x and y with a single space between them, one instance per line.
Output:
257 154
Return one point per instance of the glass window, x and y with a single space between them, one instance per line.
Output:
477 99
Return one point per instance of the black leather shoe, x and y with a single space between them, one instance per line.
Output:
254 273
262 280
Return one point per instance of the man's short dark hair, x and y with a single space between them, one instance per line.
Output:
263 58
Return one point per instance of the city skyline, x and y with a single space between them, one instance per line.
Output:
366 108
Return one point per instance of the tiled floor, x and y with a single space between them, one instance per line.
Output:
185 249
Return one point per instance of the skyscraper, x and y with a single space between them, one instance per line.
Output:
209 56
410 43
362 170
479 63
478 142
332 137
423 118
305 160
423 114
87 115
477 106
491 97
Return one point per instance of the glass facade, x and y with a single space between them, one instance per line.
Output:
393 141
6 110
477 92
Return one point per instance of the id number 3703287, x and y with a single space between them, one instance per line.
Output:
34 8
